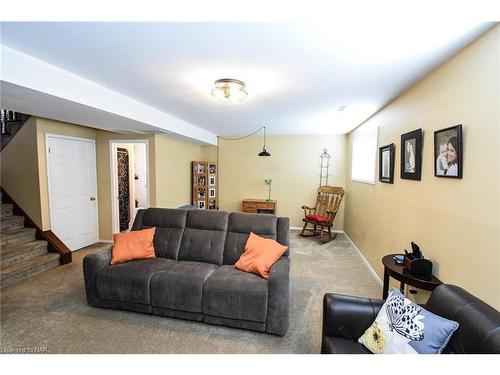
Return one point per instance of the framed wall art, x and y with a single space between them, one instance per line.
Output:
448 152
411 155
386 163
204 174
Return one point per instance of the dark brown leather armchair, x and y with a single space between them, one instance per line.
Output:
346 318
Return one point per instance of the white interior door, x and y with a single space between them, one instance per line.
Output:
71 168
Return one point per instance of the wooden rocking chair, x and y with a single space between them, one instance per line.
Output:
323 214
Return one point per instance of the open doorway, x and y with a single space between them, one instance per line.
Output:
129 181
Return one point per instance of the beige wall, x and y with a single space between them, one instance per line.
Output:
46 126
19 170
173 170
455 222
293 167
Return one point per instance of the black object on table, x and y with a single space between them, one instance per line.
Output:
398 272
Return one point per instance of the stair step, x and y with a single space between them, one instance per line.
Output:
7 209
14 253
16 236
11 222
23 269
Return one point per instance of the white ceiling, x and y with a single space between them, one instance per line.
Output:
297 75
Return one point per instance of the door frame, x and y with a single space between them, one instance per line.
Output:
49 187
113 170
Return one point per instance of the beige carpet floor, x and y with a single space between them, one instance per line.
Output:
49 312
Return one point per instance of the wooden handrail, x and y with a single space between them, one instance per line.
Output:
14 128
54 244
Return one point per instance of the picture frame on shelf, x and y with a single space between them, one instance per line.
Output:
386 156
411 155
448 152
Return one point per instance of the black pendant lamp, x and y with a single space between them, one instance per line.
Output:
264 151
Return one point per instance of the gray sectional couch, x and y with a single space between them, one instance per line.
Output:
193 275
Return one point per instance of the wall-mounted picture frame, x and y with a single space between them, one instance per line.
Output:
411 155
212 168
211 180
211 193
202 193
201 168
212 205
386 158
202 180
448 152
201 205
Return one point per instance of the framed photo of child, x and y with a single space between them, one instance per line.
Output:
448 152
411 155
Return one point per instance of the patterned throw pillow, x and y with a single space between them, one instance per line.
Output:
402 327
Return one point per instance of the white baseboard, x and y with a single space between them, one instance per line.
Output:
333 230
106 241
364 260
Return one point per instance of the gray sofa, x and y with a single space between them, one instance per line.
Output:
193 275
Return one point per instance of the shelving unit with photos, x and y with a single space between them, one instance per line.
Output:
204 185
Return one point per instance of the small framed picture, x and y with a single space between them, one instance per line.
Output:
211 193
212 204
211 180
201 168
212 169
448 152
411 155
201 205
386 163
202 180
202 193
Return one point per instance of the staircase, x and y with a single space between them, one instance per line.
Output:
21 255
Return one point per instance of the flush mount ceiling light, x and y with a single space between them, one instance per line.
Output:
228 90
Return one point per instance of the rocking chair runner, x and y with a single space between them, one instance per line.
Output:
323 214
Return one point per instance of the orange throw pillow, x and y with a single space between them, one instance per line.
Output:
259 256
132 245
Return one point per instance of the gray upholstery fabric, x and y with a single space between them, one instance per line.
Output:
169 224
92 264
180 287
177 314
234 294
187 279
236 323
279 297
283 235
239 227
130 306
203 238
129 282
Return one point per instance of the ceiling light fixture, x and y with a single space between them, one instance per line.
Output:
228 90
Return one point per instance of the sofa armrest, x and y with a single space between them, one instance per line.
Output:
348 317
278 302
92 264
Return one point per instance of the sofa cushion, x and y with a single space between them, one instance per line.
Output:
204 236
239 227
260 255
169 224
129 282
133 245
181 287
339 345
234 294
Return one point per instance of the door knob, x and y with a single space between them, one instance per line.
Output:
92 198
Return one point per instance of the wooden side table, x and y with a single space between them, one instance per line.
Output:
398 272
259 206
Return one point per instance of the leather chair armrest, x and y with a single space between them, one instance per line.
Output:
279 297
348 316
92 264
